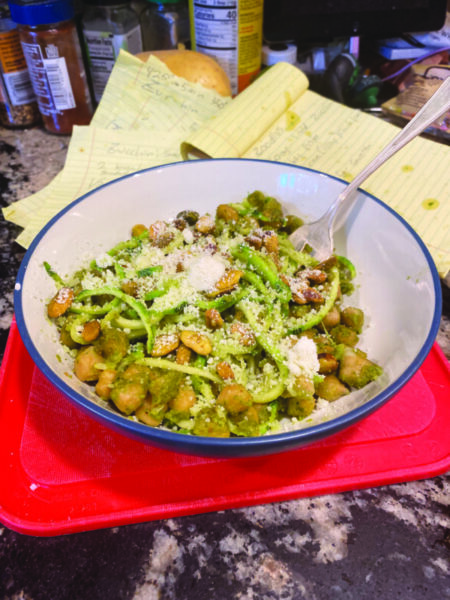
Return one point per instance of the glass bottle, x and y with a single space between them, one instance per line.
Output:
18 106
108 26
51 46
165 24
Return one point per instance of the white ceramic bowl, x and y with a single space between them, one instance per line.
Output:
397 283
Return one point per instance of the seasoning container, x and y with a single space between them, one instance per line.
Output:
230 32
165 24
18 106
108 26
51 46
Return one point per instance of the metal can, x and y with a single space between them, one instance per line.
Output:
230 32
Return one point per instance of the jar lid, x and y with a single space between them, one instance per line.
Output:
274 53
41 12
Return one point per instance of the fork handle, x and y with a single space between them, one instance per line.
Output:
438 104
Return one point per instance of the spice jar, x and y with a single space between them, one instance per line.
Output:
18 106
108 26
165 24
51 46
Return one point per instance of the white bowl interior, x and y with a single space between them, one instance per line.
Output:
395 286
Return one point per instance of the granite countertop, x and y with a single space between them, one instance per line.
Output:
385 542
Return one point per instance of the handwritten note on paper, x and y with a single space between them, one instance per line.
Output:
140 122
230 133
313 131
341 141
95 157
148 116
154 98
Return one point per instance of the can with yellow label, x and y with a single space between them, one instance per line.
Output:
231 32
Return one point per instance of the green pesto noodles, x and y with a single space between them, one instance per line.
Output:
214 325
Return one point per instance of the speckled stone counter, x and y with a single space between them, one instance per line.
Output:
387 542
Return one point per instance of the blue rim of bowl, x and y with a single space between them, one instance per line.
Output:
227 446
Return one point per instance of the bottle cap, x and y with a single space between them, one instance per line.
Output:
275 53
41 12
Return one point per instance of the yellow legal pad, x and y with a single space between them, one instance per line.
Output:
149 117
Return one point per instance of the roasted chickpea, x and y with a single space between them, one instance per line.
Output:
235 398
85 364
138 230
104 383
205 224
227 213
183 401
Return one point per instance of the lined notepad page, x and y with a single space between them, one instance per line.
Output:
341 141
149 96
318 133
144 114
148 116
233 131
95 157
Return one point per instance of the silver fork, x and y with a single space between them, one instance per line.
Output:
319 234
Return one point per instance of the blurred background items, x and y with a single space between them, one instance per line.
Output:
362 54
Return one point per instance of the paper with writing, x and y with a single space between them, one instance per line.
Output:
148 116
149 96
140 122
96 156
341 141
231 132
321 134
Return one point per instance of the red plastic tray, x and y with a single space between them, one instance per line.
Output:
62 472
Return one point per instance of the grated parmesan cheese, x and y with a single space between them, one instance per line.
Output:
302 357
104 260
204 272
188 235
